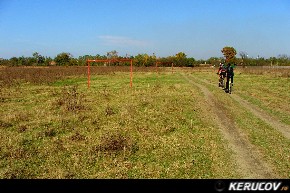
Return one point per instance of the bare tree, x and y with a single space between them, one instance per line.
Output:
244 57
112 55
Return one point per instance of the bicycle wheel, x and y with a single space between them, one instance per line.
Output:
230 87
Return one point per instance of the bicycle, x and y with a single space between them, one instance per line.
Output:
221 81
230 86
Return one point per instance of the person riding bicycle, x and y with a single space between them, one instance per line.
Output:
229 75
222 74
222 71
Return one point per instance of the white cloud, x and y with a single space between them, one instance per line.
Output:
121 41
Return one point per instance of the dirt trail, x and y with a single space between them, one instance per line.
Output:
283 128
273 122
248 158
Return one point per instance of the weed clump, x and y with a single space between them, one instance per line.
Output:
71 99
22 128
109 111
5 124
77 137
113 142
50 133
117 143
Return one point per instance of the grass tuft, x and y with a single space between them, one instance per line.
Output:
71 99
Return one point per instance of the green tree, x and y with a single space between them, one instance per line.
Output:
48 61
180 55
151 61
13 61
39 58
144 60
283 60
190 62
63 59
214 61
22 61
29 61
4 62
180 59
139 60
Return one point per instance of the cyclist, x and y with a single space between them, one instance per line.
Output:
221 72
229 75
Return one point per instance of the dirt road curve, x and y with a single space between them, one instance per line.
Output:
248 158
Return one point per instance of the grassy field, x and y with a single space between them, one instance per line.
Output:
160 128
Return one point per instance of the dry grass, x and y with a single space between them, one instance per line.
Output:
276 71
44 75
155 130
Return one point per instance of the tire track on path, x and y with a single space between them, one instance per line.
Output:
258 112
273 122
248 158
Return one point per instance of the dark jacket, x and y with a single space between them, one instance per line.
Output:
230 71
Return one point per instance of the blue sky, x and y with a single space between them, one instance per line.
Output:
199 28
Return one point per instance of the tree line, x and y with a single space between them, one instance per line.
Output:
180 59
